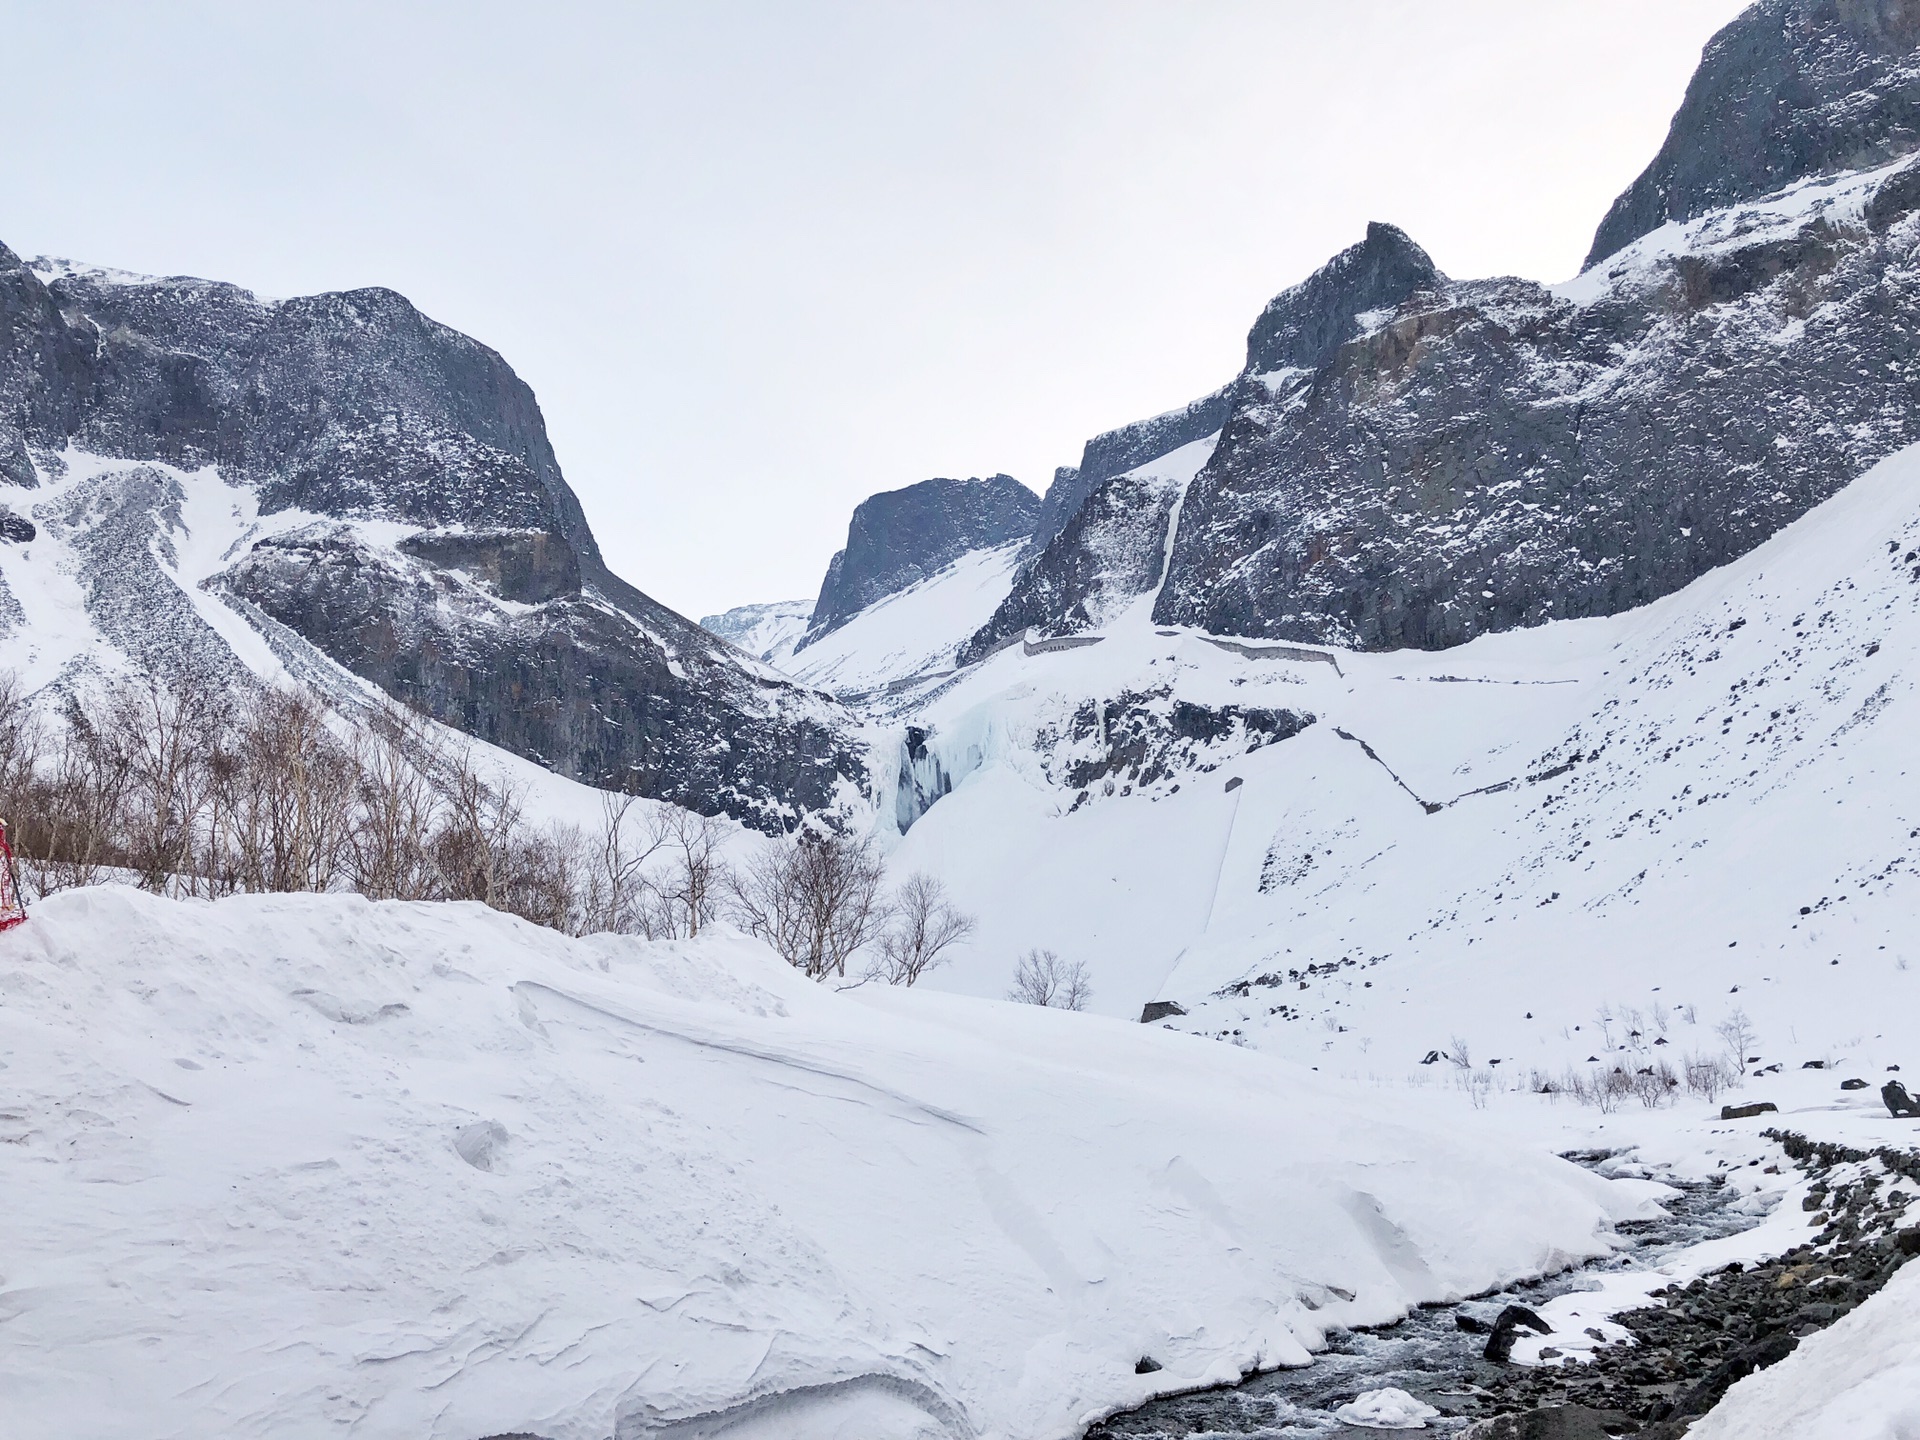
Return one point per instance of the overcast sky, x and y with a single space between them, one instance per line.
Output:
761 259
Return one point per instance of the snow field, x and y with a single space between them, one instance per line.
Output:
279 1165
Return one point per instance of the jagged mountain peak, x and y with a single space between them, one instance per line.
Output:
1789 89
1303 326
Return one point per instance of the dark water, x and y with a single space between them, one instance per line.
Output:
1427 1354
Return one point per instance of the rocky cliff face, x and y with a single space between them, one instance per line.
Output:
453 566
1409 460
900 537
1792 88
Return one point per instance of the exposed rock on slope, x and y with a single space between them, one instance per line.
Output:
413 526
1789 89
1492 454
900 537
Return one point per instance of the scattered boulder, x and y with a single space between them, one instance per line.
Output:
1146 1365
1899 1103
1853 1084
1505 1331
16 528
1747 1112
1160 1010
1705 1395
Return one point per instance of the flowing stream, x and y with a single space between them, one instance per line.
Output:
1428 1355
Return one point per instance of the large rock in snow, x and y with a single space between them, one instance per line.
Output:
454 568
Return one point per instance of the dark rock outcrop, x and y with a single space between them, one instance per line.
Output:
1117 451
1101 535
496 614
1791 88
899 537
1304 328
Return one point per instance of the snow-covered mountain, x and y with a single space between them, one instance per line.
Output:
767 632
1353 858
202 479
1410 460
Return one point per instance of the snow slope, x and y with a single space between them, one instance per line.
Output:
1630 811
910 633
284 1165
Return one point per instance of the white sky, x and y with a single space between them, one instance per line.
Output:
761 258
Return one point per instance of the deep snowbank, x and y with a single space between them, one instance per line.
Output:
286 1165
1858 1380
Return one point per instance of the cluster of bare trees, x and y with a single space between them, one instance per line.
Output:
187 791
1043 978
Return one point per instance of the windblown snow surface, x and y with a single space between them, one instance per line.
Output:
307 1165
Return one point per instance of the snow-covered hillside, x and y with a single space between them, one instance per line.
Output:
912 633
1701 805
292 1164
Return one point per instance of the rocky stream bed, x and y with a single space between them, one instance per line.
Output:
1685 1350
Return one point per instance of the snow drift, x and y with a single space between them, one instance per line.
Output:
282 1165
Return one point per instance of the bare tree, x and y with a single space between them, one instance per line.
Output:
472 846
924 926
688 895
1736 1033
614 889
162 730
285 799
1043 978
387 845
815 900
540 877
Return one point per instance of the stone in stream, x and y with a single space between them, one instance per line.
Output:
1552 1422
1505 1331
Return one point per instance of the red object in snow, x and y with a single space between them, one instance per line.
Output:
13 910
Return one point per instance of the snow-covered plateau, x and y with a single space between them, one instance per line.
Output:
305 1165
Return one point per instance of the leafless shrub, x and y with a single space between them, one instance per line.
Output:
163 733
1043 978
1737 1034
1708 1075
925 926
387 855
1459 1053
282 802
816 900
